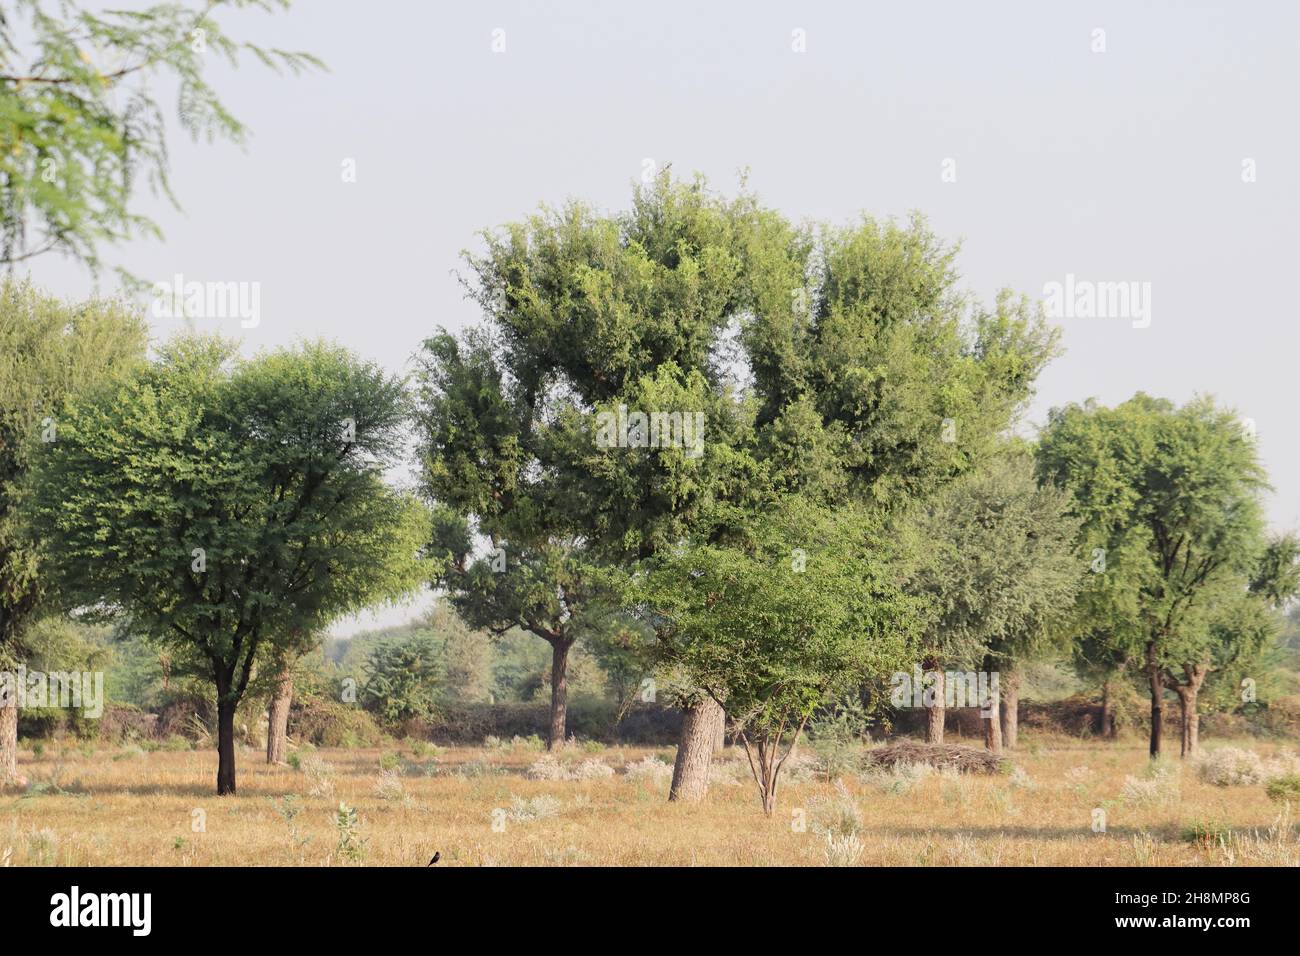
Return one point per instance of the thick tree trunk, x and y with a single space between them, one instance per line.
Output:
1010 716
225 745
936 712
559 694
701 725
277 725
1157 700
9 742
1107 728
991 714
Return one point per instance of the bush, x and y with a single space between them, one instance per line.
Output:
1231 767
328 723
1207 834
1284 789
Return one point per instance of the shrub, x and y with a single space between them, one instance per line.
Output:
1284 789
843 850
592 770
534 808
900 778
1231 767
1160 786
650 770
1207 834
547 768
389 787
835 816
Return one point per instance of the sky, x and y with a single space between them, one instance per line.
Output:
1140 142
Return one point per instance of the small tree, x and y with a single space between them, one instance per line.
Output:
403 676
771 633
231 508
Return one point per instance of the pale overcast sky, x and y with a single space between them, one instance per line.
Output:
1122 165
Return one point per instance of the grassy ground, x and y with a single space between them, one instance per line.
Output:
479 806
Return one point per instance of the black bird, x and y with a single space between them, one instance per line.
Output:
436 857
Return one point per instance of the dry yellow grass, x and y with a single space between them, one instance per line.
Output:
122 806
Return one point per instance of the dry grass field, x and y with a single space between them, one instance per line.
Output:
485 806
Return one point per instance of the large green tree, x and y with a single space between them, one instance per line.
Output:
585 312
230 507
49 350
81 129
1170 498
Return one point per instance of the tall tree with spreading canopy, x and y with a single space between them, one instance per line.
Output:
585 313
49 350
80 125
877 382
231 508
1171 497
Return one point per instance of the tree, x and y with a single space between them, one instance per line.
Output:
1170 499
775 615
48 351
403 676
586 314
877 382
230 508
80 127
1000 572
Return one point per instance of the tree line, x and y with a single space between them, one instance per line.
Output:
861 500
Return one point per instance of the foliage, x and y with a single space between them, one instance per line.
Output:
49 350
230 507
402 677
80 124
999 567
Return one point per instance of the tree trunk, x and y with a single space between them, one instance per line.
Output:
1191 723
1188 695
1010 711
993 719
1157 700
277 725
700 729
559 694
9 742
765 766
934 719
225 744
1107 710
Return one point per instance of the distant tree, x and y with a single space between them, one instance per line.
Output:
465 656
230 508
1000 572
1170 497
80 127
49 350
403 676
